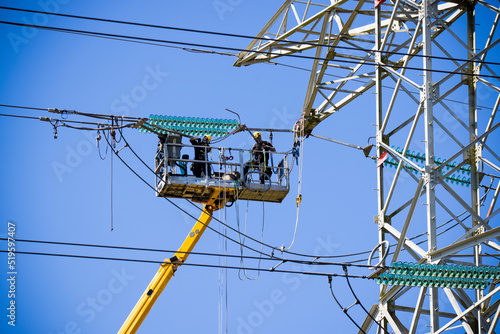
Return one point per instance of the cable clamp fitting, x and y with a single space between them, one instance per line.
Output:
299 199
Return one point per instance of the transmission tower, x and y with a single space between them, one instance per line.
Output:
433 66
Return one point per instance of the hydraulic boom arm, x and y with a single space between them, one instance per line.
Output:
166 271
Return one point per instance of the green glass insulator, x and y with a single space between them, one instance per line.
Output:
494 273
497 273
475 273
469 272
407 280
481 272
414 281
425 270
448 271
440 270
486 273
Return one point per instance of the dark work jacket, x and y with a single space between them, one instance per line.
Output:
259 156
199 152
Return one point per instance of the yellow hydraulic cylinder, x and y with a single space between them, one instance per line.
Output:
165 273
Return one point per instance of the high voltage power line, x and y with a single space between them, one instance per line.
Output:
157 250
266 39
154 41
312 273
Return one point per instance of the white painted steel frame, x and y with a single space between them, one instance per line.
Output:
362 46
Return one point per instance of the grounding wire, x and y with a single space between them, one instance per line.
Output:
135 38
298 133
265 39
99 147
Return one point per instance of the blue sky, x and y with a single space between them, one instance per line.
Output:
60 189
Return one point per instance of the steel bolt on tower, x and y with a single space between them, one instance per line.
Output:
437 92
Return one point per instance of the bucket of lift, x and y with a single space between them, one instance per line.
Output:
174 179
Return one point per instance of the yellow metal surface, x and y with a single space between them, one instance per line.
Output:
168 267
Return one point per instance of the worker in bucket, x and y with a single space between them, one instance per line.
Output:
260 158
201 151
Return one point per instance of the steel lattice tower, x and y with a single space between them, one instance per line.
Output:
437 92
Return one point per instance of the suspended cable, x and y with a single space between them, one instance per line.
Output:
359 302
64 122
60 243
264 39
135 38
343 309
298 141
184 263
22 107
383 86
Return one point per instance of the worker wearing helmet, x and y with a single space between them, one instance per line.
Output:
201 149
260 157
